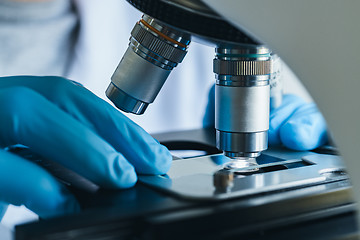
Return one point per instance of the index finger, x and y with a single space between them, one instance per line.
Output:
134 143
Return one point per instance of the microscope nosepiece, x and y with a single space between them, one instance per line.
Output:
154 50
242 94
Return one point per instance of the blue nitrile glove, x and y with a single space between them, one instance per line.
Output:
66 123
295 124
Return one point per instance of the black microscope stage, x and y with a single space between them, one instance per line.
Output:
302 195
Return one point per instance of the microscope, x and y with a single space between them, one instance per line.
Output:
239 189
242 67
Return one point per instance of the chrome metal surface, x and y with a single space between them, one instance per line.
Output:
276 82
242 154
154 50
232 52
139 79
150 56
193 178
242 81
125 102
234 143
242 109
242 94
242 67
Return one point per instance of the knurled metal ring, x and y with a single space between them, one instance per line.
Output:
151 42
242 68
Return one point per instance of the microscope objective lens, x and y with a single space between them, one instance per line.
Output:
242 165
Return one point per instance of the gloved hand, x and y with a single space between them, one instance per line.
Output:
295 124
66 123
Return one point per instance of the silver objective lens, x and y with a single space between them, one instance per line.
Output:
242 94
154 50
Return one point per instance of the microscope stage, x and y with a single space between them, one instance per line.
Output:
279 170
304 195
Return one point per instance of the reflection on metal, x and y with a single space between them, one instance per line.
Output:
291 193
194 6
223 180
242 165
278 171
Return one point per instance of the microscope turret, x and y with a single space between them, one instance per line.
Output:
241 65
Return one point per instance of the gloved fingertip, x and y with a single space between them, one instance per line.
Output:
155 160
295 138
279 116
121 174
162 161
70 205
303 136
63 204
127 180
